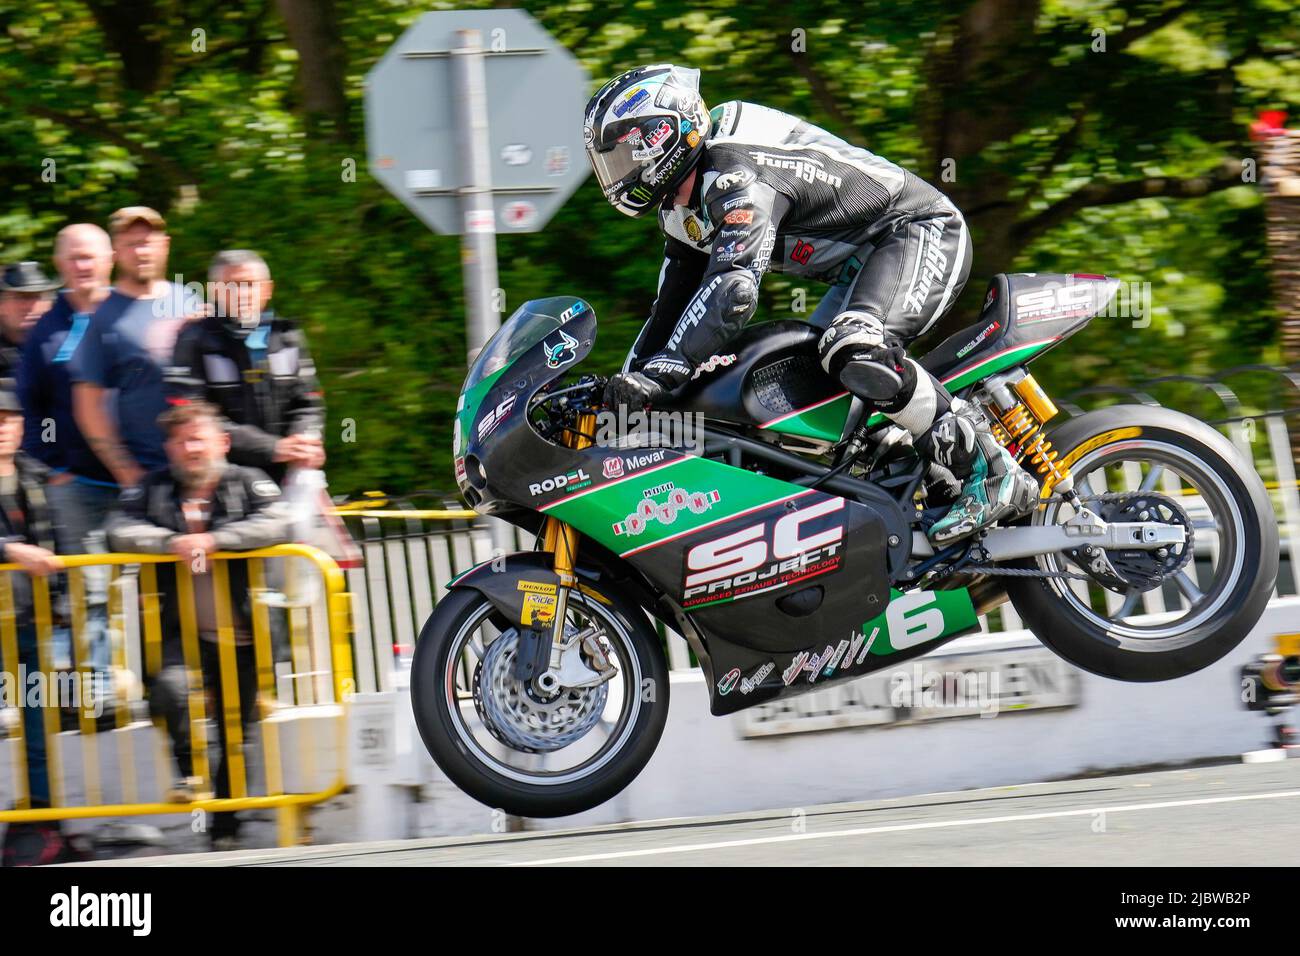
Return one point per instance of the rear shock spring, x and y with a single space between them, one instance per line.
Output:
1022 428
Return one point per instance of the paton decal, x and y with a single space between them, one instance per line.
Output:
666 512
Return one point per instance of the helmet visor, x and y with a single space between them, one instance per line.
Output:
626 149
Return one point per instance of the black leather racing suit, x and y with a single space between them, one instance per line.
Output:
773 192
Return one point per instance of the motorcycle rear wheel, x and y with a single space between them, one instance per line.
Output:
1220 593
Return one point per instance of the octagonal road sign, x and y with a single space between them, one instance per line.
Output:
535 93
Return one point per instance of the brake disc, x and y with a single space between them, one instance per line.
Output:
521 716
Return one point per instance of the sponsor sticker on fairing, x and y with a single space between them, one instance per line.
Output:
679 501
768 554
488 423
573 480
750 684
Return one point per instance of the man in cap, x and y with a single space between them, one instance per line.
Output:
128 344
25 295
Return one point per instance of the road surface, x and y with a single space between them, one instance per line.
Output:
1201 816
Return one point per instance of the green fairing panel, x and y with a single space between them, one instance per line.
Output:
603 513
918 617
822 422
825 422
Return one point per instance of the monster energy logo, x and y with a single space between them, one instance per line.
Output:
809 170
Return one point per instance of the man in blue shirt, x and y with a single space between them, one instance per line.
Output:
80 490
117 369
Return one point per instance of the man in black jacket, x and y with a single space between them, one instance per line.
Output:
200 504
254 366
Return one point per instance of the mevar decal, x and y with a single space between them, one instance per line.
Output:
495 417
573 480
612 468
770 553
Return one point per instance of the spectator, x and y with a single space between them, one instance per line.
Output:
129 341
81 491
26 540
24 297
200 504
254 366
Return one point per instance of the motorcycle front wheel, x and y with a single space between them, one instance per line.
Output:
525 751
1190 609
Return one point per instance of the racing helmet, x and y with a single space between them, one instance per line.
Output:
644 131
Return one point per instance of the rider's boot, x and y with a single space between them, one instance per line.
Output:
995 487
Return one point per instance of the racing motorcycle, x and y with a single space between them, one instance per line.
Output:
782 534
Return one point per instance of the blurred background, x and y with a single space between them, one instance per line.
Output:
1076 135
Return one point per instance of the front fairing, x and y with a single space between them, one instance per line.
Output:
494 446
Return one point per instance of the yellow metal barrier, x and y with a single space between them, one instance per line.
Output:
289 805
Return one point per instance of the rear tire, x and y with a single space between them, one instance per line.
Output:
1119 651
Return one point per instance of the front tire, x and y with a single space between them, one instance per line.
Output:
1243 558
487 766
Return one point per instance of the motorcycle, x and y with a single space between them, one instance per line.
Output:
776 524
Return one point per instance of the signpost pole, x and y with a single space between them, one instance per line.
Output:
478 240
478 244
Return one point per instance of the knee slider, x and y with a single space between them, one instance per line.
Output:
738 296
848 334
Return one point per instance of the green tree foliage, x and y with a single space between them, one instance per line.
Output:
1078 135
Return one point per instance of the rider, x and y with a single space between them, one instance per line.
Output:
746 189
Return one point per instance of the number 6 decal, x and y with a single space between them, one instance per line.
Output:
907 629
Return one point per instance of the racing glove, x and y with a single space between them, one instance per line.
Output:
633 389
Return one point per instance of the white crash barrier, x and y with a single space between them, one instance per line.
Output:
1052 721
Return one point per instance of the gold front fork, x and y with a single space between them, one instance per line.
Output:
561 540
